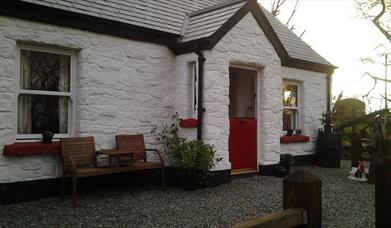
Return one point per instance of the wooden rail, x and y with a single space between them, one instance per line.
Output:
287 218
301 201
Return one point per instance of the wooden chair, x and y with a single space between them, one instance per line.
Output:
78 159
135 144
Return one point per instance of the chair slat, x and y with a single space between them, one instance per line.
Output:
132 143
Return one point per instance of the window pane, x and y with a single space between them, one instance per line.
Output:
289 119
45 71
289 94
37 113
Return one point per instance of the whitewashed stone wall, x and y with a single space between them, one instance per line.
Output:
313 99
122 87
244 45
126 86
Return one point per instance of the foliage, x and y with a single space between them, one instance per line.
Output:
167 134
193 155
288 158
328 117
190 155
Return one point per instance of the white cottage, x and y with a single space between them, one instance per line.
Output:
102 68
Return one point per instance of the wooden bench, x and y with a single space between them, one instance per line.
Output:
79 159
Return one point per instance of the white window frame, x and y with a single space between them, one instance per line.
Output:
71 94
299 101
193 74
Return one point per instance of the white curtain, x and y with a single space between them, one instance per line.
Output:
63 86
24 104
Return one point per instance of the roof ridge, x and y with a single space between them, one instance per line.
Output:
215 7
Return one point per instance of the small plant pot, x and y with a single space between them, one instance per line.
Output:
47 137
289 132
280 171
286 165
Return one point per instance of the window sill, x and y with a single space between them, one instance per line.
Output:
294 139
32 148
188 123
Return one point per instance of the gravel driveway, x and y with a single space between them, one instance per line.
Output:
345 204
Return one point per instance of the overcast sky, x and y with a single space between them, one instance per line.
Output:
335 30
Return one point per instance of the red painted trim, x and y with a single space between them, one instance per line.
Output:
32 148
188 123
294 139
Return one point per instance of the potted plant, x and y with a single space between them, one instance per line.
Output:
329 143
283 167
193 160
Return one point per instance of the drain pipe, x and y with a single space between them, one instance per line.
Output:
200 108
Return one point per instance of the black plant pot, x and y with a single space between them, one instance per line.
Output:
47 137
280 171
328 149
286 165
190 180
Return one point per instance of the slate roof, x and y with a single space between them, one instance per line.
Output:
162 15
190 20
295 46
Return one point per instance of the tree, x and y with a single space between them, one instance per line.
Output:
276 6
379 12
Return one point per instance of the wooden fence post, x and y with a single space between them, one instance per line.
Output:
382 194
302 189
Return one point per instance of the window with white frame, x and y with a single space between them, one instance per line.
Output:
193 88
45 95
291 102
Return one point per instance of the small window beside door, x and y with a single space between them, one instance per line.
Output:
291 102
192 89
44 100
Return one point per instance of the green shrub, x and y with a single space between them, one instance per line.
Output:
193 155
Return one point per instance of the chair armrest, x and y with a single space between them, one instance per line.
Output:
73 163
158 153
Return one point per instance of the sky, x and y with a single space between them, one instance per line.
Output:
334 29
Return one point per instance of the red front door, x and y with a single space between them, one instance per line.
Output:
243 124
243 143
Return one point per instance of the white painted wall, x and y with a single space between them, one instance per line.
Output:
123 86
313 97
245 45
126 86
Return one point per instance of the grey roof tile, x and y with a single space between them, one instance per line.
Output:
203 18
295 46
206 23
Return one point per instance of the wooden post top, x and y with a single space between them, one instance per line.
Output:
302 176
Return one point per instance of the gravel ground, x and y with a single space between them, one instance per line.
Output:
345 204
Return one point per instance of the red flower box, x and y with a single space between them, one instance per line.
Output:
187 123
294 139
32 148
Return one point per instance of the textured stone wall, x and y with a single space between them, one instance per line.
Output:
125 86
245 45
122 86
313 99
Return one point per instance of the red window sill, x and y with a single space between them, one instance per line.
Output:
294 139
188 123
32 148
